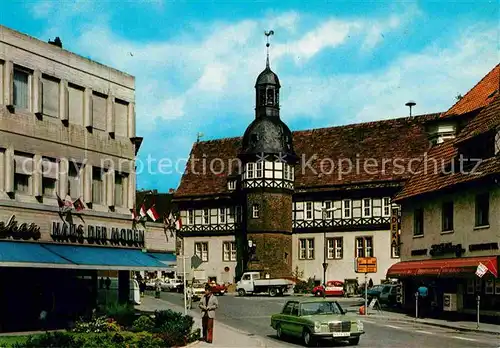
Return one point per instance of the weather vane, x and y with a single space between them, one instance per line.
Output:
268 33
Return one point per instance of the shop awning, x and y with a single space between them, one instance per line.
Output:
102 258
166 257
23 254
442 267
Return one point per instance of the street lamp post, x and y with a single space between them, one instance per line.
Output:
323 211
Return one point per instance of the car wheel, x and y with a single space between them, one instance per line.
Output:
354 341
308 338
242 292
319 293
279 332
273 292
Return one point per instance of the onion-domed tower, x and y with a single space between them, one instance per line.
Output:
267 181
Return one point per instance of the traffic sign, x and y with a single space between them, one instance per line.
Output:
325 266
366 265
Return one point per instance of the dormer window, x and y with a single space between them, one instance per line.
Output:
231 185
250 170
497 143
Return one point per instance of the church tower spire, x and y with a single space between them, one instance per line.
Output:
267 88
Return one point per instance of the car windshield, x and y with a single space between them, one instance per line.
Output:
315 308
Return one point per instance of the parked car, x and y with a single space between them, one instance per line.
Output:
333 288
374 292
218 289
312 319
388 295
197 290
170 284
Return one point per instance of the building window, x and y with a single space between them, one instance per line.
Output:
50 100
231 185
121 118
99 110
286 172
367 207
258 171
201 250
190 217
364 247
306 249
73 180
97 186
346 208
21 88
386 206
447 216
120 189
75 101
206 216
328 205
250 170
23 171
49 177
335 248
255 211
418 222
229 251
222 215
309 210
482 209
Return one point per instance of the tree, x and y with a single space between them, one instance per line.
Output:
297 274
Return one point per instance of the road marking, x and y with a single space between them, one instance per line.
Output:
464 338
394 327
425 332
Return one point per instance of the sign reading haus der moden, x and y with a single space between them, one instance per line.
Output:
96 234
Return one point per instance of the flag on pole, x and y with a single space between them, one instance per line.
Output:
78 204
152 213
178 223
481 270
143 210
60 202
135 217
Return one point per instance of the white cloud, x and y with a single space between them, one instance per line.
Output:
42 9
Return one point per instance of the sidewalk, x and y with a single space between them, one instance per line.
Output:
467 326
224 335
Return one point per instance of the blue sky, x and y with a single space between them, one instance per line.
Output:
339 62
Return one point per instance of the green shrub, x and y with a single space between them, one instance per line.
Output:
95 325
124 314
49 339
304 287
143 323
174 329
145 340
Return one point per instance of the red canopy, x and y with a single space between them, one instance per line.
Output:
443 267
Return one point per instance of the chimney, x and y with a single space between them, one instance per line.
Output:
57 42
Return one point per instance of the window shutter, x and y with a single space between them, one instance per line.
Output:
87 196
9 170
131 190
49 169
110 188
131 120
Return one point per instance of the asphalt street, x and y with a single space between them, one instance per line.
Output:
252 314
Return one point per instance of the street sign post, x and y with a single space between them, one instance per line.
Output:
366 265
196 261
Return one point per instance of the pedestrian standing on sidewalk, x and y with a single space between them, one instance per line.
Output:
423 293
208 305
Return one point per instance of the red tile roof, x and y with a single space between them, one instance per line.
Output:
479 96
429 180
379 151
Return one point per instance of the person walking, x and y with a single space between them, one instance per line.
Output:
208 305
423 293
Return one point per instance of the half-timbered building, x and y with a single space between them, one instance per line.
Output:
280 201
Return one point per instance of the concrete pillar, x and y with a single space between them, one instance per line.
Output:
37 93
9 169
63 177
110 188
37 176
131 188
131 120
123 286
87 186
87 108
63 100
8 80
110 114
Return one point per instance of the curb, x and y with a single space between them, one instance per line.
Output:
445 326
192 344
